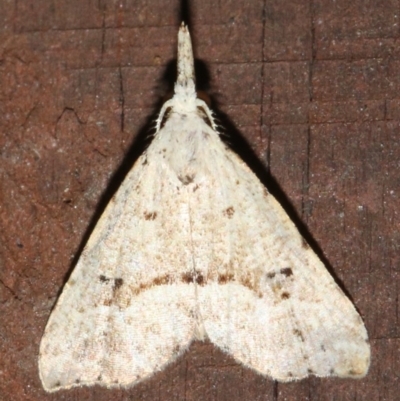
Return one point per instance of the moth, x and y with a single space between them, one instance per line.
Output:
193 247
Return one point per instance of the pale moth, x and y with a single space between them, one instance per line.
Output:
193 247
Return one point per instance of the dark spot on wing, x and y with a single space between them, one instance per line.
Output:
237 182
118 282
150 215
271 274
323 347
145 286
187 179
287 271
193 277
104 279
290 374
299 334
247 283
99 378
229 212
161 280
144 161
77 381
304 243
310 371
57 384
225 278
266 193
331 371
195 188
285 295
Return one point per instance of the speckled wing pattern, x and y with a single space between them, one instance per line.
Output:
192 246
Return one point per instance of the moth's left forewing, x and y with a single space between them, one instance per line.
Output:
127 309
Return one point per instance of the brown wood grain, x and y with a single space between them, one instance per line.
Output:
313 87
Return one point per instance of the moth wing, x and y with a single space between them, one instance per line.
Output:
265 297
124 312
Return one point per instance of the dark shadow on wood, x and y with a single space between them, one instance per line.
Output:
185 13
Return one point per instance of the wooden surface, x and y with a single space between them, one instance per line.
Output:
312 86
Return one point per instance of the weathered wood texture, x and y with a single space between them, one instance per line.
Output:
313 86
